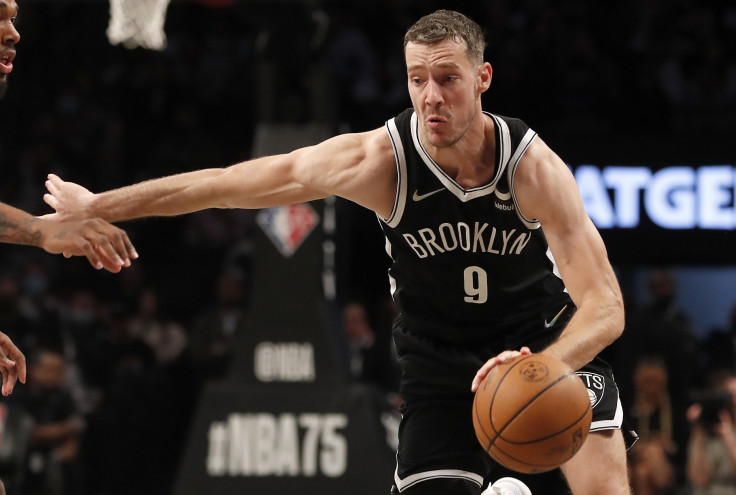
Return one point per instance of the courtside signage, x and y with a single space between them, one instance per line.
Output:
280 445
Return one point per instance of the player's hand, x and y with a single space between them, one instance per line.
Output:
504 357
71 201
12 364
104 245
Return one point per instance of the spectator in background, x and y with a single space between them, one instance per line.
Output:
51 466
167 338
369 351
14 323
39 306
711 462
660 328
718 349
214 329
653 468
87 349
352 63
360 339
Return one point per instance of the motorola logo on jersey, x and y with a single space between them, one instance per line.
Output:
675 197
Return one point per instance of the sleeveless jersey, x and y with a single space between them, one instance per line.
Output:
467 265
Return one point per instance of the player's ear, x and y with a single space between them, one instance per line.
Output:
485 74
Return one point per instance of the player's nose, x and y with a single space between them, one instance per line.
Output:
9 35
433 94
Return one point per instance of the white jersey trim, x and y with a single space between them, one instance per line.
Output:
526 141
440 473
400 202
505 150
555 268
462 194
610 424
391 280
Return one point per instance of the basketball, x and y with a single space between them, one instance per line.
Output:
532 413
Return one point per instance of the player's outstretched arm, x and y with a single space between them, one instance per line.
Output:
358 167
103 244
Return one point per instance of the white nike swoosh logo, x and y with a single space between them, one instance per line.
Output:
419 197
548 324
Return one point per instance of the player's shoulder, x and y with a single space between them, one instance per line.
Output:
402 120
376 147
515 125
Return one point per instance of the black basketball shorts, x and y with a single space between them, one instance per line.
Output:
436 435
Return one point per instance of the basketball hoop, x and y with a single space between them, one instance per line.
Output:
138 23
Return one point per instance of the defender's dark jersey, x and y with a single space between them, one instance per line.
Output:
466 264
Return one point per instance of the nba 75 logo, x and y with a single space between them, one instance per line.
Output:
288 226
534 371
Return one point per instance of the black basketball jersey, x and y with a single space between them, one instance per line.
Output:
466 264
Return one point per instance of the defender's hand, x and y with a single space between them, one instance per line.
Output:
491 363
104 245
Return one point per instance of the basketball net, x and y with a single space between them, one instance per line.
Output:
138 23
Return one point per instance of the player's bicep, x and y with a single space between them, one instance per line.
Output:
357 167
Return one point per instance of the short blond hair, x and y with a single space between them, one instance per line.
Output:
448 24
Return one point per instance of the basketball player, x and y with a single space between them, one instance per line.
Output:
483 223
104 245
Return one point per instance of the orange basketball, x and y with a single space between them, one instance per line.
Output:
532 413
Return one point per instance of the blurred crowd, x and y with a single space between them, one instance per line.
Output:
117 361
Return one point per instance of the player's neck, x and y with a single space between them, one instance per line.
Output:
471 162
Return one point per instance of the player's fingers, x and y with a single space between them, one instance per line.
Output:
20 366
50 200
112 254
129 248
90 252
503 357
123 247
482 372
10 376
54 179
52 186
12 358
4 372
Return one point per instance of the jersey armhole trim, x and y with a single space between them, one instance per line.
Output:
400 202
526 141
